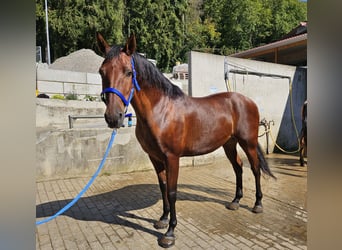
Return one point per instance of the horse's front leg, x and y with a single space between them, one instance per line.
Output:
161 173
172 168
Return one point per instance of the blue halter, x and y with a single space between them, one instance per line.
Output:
118 93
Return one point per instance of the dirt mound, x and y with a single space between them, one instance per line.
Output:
83 60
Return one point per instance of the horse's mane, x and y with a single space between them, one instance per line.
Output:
149 74
113 52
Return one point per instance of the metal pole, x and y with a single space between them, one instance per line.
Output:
47 33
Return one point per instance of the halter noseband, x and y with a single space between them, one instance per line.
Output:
118 93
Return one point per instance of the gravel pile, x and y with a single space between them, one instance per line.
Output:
83 60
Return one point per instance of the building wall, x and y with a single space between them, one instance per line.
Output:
278 90
63 152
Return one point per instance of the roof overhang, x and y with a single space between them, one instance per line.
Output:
291 51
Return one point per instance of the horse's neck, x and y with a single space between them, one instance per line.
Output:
145 101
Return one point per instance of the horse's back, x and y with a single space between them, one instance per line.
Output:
234 104
233 98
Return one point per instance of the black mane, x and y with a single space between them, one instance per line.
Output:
114 51
148 73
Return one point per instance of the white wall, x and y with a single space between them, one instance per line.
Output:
51 82
271 94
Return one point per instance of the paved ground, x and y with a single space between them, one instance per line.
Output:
118 211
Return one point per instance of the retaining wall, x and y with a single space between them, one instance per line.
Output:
62 82
51 82
64 152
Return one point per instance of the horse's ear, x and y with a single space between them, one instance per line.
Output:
131 45
102 44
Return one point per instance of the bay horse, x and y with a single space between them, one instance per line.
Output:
303 134
171 124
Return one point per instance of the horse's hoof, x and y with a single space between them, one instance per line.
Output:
233 206
257 209
166 241
161 224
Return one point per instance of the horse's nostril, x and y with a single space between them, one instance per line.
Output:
114 120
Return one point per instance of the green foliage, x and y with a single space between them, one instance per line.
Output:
244 24
286 15
59 97
167 30
90 98
73 24
159 29
71 96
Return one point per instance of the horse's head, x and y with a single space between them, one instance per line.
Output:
117 73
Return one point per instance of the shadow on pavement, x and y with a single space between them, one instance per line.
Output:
113 207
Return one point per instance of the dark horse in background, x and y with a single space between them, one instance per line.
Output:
171 124
303 135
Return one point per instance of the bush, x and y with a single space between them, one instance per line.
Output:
90 98
59 97
71 96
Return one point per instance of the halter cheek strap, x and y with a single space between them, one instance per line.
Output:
119 94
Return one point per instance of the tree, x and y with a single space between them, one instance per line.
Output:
159 29
244 24
286 14
73 23
201 31
167 30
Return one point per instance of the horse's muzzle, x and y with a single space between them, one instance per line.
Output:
115 121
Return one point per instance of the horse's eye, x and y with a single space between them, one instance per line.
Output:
129 73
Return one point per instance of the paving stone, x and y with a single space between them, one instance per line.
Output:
118 211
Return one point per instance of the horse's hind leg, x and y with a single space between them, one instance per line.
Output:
161 173
252 155
231 152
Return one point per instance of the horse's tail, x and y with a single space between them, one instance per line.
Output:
263 163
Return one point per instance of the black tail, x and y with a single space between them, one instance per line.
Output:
263 163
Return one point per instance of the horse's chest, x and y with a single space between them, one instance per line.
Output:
148 141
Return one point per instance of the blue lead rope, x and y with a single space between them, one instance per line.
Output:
86 187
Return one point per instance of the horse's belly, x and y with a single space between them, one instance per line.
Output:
202 151
204 145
